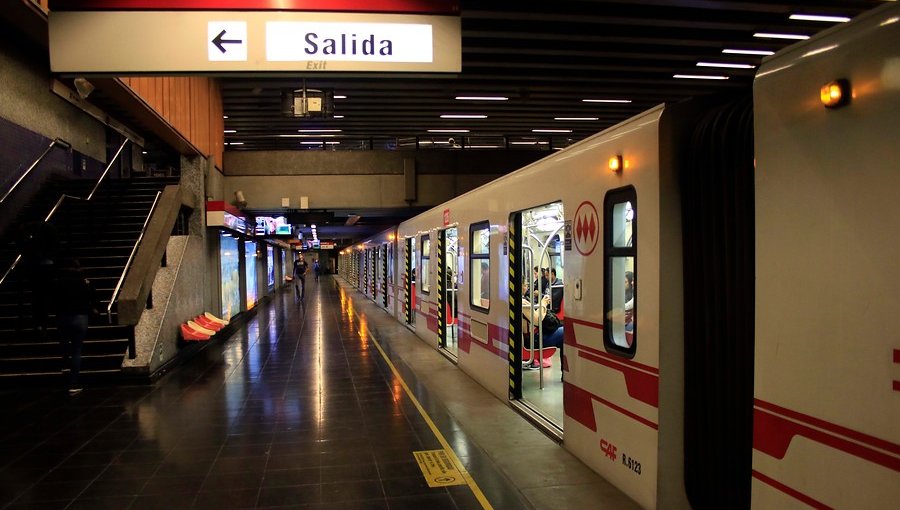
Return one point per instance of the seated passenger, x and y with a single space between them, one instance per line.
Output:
552 327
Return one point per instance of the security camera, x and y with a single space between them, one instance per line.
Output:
452 142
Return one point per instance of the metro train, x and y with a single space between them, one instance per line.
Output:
728 285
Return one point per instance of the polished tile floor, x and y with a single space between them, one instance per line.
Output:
298 409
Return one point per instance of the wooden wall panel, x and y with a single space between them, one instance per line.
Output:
190 104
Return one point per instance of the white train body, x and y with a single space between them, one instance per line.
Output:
827 379
825 402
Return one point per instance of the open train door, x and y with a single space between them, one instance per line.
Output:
448 272
535 253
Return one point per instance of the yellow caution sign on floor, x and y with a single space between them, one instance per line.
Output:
438 469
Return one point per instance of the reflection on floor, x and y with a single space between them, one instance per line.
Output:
549 400
296 410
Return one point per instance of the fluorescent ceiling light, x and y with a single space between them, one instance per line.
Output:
306 136
576 118
318 130
231 130
749 52
332 143
533 142
234 143
340 97
311 143
143 152
338 117
725 65
768 35
606 100
551 130
482 98
224 116
699 77
455 116
817 17
483 146
448 130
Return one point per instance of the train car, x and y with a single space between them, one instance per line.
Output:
723 303
826 410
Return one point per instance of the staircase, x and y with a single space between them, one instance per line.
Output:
100 234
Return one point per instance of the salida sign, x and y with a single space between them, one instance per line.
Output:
380 42
223 41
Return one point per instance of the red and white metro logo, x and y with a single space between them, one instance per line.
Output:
587 228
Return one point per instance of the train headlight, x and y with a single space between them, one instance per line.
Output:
615 163
835 94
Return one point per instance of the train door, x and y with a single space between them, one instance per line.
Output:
387 286
409 279
537 307
370 254
447 280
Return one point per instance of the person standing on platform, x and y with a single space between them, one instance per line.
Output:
74 301
316 268
300 267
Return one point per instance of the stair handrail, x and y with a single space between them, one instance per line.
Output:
63 197
56 141
137 243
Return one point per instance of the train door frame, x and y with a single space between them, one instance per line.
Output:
385 283
447 267
520 267
409 282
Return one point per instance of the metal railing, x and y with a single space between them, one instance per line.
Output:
115 294
56 141
62 199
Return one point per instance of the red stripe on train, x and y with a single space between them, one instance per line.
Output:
640 385
570 339
578 405
772 435
794 493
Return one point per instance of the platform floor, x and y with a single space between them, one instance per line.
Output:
317 405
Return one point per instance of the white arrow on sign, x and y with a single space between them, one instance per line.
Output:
227 41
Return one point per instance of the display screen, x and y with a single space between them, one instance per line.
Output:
268 226
230 274
250 255
270 266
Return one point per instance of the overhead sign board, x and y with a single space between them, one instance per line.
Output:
123 42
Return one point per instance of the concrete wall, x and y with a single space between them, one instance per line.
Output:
26 100
370 179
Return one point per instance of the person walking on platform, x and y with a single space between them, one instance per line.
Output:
300 268
74 301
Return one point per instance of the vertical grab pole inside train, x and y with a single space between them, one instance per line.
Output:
544 253
527 260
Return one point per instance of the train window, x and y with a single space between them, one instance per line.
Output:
620 271
425 268
480 260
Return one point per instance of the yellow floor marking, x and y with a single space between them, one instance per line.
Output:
437 433
438 469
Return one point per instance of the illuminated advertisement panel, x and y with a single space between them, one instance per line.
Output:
250 271
230 274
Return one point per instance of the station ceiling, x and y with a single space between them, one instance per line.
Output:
546 58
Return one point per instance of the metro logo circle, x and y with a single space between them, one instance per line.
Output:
586 228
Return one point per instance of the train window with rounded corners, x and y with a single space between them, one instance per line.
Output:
480 270
425 266
620 271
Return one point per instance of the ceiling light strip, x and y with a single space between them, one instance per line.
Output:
735 51
699 77
771 35
819 17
